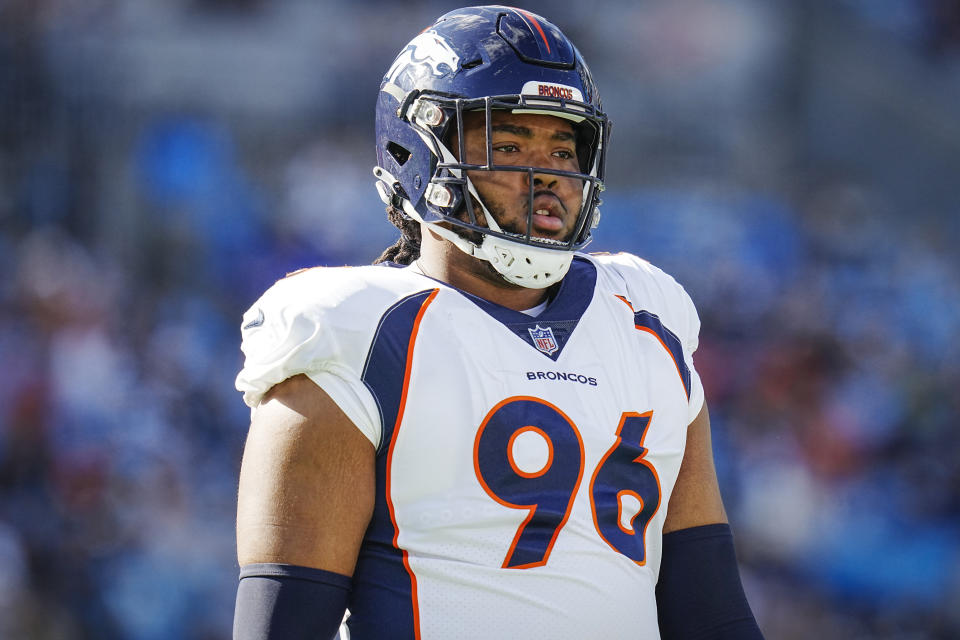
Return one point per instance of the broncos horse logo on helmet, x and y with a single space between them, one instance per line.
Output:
486 59
426 52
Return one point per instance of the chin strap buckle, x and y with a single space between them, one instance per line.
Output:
388 187
439 195
425 113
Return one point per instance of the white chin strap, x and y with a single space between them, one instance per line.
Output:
521 264
518 263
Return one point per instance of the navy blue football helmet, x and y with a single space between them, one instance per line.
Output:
486 59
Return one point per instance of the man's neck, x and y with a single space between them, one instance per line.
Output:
442 261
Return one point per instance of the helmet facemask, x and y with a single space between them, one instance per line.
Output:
521 257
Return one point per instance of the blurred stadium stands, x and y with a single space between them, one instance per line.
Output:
796 165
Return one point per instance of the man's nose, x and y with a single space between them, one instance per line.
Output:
540 179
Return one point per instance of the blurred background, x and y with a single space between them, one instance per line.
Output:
796 165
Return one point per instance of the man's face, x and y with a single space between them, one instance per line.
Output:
525 139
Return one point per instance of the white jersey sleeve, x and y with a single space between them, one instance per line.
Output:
311 323
651 288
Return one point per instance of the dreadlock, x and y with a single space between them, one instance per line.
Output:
407 248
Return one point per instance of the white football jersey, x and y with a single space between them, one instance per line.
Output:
524 464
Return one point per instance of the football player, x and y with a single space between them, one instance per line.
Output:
489 434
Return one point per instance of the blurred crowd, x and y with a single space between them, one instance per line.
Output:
147 198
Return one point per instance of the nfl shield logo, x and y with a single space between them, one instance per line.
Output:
543 339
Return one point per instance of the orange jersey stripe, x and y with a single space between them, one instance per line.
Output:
393 440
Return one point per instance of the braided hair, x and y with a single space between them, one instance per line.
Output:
407 248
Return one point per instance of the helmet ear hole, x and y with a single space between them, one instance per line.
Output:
400 154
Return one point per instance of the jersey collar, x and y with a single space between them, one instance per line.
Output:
549 332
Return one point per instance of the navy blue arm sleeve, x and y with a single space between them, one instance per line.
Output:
289 602
699 593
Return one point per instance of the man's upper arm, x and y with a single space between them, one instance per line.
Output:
696 500
306 490
699 592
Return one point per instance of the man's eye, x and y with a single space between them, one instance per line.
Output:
506 148
565 154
